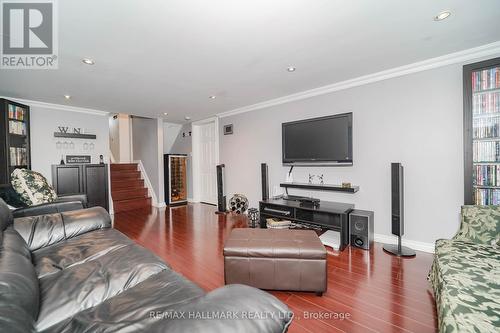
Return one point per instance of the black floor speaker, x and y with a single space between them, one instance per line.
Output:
397 212
221 191
265 181
361 228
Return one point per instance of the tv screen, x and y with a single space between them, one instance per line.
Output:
325 140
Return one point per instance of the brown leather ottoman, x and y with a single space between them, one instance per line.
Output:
276 259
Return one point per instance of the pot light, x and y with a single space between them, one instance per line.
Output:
88 61
187 117
291 69
165 113
213 97
441 16
67 96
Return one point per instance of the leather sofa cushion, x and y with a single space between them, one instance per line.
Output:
86 285
274 243
5 215
19 290
77 250
242 302
131 310
44 230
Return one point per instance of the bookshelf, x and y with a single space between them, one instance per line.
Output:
482 132
15 138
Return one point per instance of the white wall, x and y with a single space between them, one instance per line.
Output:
114 137
183 144
45 121
124 129
414 119
145 148
170 133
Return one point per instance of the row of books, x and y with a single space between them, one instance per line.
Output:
486 127
18 156
486 79
484 196
16 112
17 127
486 103
274 223
486 151
486 175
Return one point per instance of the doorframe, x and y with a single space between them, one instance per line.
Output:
195 132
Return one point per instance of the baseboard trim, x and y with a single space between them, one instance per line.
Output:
416 245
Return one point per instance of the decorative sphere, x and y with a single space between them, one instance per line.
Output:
238 203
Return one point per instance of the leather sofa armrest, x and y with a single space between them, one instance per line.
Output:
44 230
82 197
47 208
81 221
232 308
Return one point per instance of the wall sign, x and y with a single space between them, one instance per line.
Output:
77 159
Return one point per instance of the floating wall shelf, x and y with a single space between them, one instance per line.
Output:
74 135
321 187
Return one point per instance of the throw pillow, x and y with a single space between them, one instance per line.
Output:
32 187
480 224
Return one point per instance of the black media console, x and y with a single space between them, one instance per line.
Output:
327 215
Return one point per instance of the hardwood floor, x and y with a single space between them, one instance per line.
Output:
368 291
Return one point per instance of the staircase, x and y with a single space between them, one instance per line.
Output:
127 188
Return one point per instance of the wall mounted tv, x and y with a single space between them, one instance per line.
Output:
318 141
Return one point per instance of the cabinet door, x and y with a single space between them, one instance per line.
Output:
67 179
96 185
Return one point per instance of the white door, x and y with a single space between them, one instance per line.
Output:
207 162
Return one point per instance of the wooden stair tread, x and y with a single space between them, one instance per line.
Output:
127 188
130 204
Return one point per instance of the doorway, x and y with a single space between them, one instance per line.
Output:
205 159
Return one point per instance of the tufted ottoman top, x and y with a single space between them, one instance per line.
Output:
274 243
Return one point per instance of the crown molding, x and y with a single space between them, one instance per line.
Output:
60 107
441 61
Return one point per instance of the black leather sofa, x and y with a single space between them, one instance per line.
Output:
64 203
71 272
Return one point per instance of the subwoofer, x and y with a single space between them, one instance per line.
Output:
361 228
397 212
221 191
265 181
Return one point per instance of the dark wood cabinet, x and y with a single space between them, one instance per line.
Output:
14 138
91 179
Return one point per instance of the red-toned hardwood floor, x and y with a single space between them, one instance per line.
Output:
381 293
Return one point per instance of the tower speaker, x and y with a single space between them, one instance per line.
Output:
265 181
221 191
397 212
361 228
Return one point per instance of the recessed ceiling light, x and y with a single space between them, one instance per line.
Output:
165 113
441 16
291 69
88 61
213 97
187 117
67 96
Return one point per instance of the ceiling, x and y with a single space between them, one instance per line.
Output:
169 56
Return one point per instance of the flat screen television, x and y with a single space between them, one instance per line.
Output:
318 141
